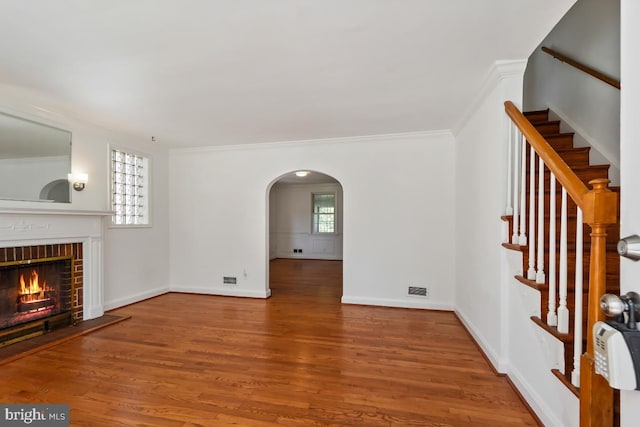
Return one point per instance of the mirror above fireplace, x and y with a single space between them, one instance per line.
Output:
35 159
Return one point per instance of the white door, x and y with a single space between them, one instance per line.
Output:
630 167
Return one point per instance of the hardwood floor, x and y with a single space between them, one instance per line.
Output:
299 358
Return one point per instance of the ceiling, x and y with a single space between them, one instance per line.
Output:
212 72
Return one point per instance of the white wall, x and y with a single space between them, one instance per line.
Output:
589 33
480 202
219 226
532 352
292 222
135 260
630 177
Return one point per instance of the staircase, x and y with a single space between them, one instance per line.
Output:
577 158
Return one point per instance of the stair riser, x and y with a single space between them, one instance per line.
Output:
548 128
560 142
578 158
537 116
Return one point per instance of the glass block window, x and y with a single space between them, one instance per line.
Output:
129 195
324 213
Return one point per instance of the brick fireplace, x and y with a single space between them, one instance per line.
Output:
40 289
31 242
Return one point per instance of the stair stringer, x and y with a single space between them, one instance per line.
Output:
532 352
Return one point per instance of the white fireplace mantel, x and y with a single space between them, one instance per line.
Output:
26 227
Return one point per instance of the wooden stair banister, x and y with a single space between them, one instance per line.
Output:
554 162
599 208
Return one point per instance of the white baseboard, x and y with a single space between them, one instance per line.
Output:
228 292
428 305
528 392
287 255
493 357
537 403
110 305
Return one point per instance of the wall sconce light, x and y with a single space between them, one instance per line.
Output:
78 180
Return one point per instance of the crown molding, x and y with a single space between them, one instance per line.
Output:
322 141
499 71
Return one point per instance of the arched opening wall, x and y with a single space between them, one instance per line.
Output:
294 231
397 225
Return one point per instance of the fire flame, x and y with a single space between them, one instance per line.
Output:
33 288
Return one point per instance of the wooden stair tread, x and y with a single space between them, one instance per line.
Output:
513 246
566 381
552 330
534 112
545 286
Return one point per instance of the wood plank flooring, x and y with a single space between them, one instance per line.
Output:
299 358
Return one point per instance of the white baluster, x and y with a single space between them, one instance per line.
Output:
552 317
540 267
563 311
515 238
510 178
531 272
577 321
523 181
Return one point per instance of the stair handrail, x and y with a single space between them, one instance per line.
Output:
582 67
569 180
599 207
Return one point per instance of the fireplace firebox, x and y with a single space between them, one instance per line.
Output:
36 296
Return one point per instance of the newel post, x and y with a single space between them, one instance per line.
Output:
596 397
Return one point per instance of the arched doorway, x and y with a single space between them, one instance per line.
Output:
304 231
